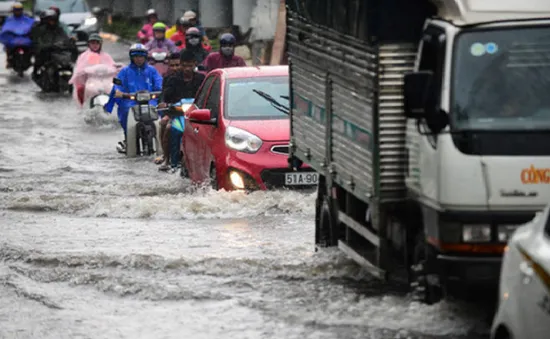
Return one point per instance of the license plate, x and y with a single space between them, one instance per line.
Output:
301 178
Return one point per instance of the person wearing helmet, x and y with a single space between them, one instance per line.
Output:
159 39
137 76
146 32
45 35
194 45
179 37
61 23
15 22
92 56
192 17
225 57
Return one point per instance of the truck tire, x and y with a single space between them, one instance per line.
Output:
131 135
420 288
326 234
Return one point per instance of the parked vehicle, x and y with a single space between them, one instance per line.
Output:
403 111
236 133
524 293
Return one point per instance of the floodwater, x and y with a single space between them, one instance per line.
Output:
93 245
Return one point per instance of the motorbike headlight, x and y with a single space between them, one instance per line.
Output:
90 21
476 233
241 140
143 97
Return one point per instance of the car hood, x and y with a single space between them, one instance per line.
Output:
74 18
267 130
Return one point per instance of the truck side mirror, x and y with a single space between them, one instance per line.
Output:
416 91
117 81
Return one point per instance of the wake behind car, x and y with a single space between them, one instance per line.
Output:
524 292
237 131
76 15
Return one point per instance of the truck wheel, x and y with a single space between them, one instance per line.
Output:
422 290
325 226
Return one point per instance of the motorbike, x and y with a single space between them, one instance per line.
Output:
55 74
177 121
98 84
158 59
142 124
15 37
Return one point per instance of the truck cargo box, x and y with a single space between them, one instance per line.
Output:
347 106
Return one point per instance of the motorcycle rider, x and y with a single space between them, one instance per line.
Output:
94 55
225 57
159 39
146 32
138 75
47 34
193 44
184 83
192 17
17 18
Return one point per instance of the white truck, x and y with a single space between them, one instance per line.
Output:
429 125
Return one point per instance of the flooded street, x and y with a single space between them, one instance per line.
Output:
93 245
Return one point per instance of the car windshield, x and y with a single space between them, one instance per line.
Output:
502 80
65 6
244 102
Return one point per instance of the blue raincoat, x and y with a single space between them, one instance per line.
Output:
133 79
176 133
16 31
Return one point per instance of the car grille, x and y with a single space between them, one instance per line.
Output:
280 149
275 178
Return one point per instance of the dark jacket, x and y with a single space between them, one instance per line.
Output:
43 36
198 51
175 88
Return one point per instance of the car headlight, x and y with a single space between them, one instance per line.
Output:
476 233
505 232
241 140
90 21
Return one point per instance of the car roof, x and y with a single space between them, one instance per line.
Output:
254 71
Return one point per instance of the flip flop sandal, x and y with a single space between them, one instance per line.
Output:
159 160
165 168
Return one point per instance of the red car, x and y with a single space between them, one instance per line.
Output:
236 138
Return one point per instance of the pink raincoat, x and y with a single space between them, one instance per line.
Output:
146 33
82 70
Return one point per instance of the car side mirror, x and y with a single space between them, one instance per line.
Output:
201 68
178 43
202 116
117 81
417 95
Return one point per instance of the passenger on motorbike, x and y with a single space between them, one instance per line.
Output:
192 17
181 84
18 20
135 77
48 34
146 32
193 44
225 57
93 56
179 36
61 23
159 40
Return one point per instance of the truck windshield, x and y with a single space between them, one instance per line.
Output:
244 98
501 80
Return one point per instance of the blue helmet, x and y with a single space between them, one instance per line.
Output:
138 50
227 39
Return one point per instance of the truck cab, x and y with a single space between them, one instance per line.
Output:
436 127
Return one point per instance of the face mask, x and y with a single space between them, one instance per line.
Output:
194 41
227 51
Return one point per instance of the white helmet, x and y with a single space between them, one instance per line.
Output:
189 15
151 12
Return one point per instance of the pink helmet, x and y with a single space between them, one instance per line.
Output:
193 31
